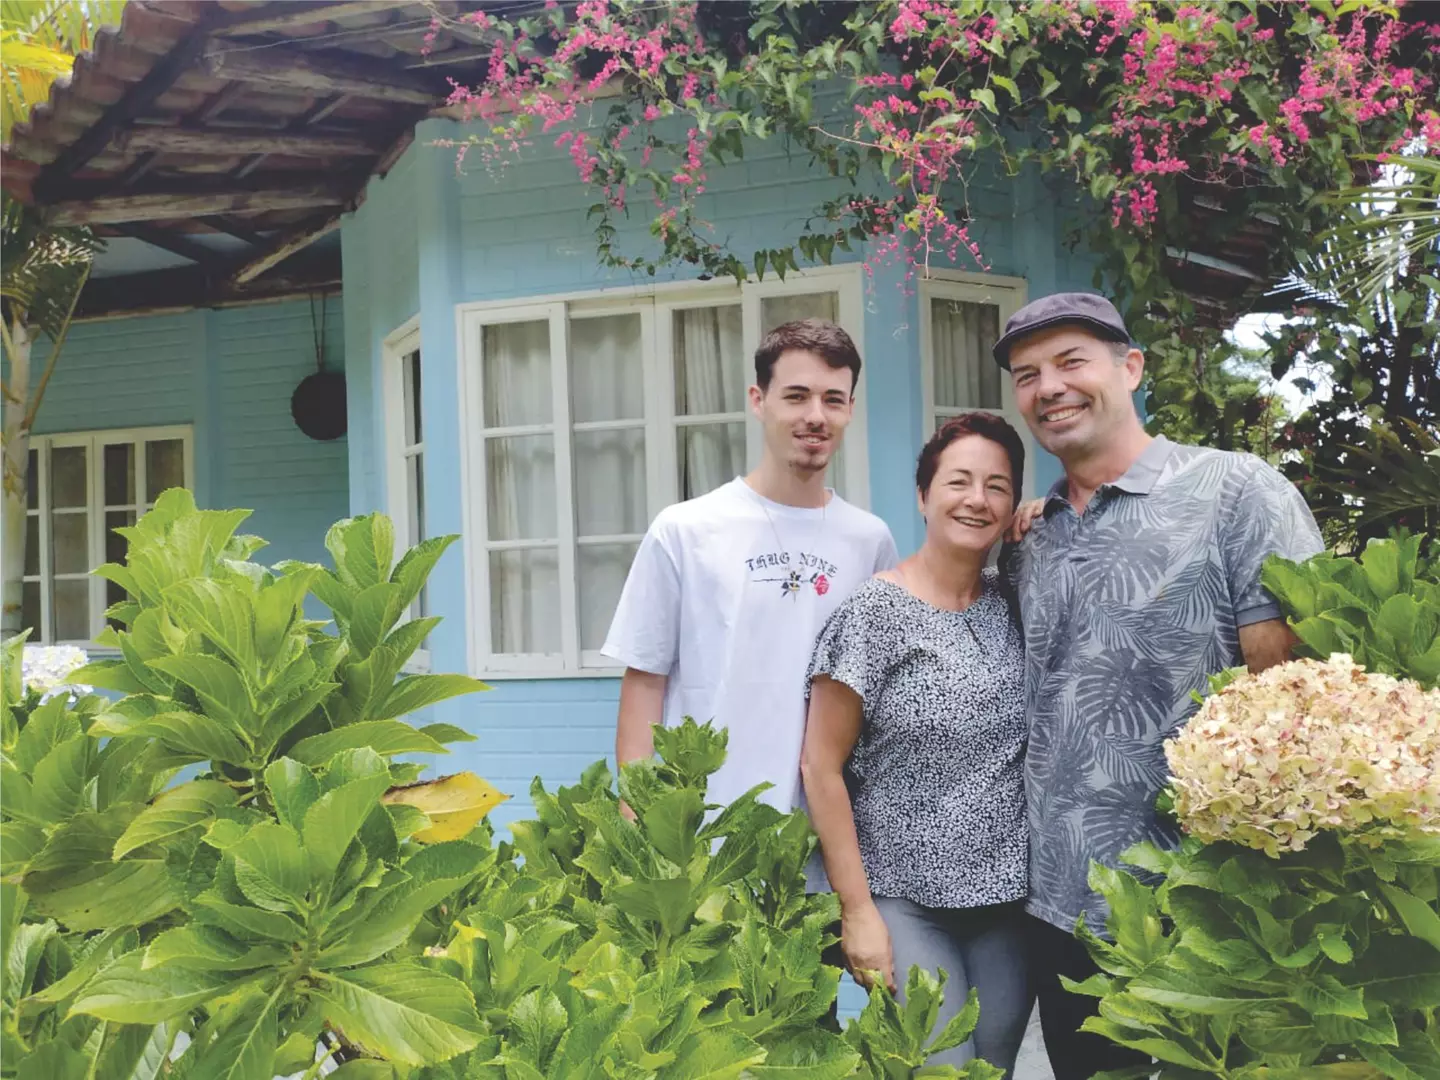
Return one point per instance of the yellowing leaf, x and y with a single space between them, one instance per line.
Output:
455 804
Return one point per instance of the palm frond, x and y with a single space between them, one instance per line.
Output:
1395 477
42 267
1384 229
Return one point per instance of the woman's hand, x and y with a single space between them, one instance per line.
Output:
865 941
1025 516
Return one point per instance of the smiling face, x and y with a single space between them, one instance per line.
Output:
1074 390
971 499
804 411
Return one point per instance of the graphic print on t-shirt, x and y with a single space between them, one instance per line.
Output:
794 575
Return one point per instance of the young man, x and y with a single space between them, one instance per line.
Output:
1140 579
729 590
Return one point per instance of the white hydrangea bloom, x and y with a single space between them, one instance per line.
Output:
45 668
1274 758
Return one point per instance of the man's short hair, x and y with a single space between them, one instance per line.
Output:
819 336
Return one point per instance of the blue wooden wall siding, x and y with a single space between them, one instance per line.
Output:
229 373
427 239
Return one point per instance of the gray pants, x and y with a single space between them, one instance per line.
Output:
982 947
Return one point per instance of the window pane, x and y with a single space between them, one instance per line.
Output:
32 482
525 601
607 379
962 335
710 371
414 422
71 600
520 483
69 543
164 467
120 474
709 455
516 372
30 611
69 482
415 483
602 570
610 482
115 544
775 310
32 544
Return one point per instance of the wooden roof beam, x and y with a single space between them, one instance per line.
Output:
226 142
160 205
313 115
298 70
290 13
132 103
176 243
182 289
283 246
234 228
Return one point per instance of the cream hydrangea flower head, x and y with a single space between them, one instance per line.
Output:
1274 758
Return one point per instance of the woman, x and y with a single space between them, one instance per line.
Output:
914 745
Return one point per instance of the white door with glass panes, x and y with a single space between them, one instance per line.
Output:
583 418
961 317
81 488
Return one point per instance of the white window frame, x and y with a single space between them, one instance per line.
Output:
1009 295
94 443
396 350
655 305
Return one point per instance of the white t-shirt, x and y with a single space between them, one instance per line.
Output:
726 597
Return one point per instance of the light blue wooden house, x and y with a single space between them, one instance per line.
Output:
498 384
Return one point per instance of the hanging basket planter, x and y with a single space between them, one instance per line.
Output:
318 405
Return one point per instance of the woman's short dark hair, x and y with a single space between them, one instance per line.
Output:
819 336
988 426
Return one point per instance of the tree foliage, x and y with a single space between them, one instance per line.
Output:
1179 125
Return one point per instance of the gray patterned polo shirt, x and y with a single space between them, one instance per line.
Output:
1127 609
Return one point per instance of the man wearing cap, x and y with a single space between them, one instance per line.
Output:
1140 578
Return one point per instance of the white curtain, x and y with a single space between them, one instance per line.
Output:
962 335
778 310
710 378
607 385
520 488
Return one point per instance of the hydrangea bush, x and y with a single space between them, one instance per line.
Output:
46 670
1274 758
1296 930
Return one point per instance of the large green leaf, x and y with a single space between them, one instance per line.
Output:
204 737
383 736
242 920
336 817
128 993
220 611
272 868
416 692
415 566
293 790
715 1055
48 726
217 684
208 948
133 1052
1420 918
808 1055
372 613
174 812
244 1047
404 1012
671 822
363 549
57 788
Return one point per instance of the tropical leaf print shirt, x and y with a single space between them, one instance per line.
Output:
1127 609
